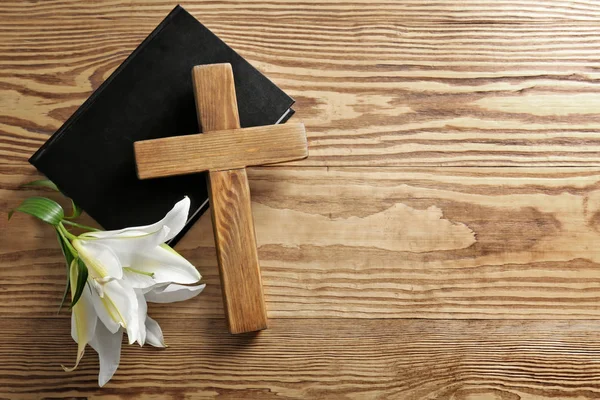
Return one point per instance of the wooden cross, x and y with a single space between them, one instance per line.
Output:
225 151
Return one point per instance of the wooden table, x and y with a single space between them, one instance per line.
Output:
441 241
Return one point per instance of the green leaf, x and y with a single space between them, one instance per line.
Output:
80 276
76 210
41 207
44 183
47 183
65 294
69 258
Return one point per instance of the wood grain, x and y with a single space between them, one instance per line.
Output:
409 83
220 150
413 83
317 359
231 212
239 270
214 93
425 243
381 243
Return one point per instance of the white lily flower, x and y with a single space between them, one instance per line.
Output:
83 317
108 347
126 268
172 293
134 258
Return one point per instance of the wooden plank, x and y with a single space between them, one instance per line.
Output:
219 150
426 243
229 193
310 359
397 83
413 83
375 243
237 256
214 93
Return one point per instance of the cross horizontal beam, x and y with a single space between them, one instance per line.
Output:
220 150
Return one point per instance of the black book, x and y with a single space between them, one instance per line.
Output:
91 158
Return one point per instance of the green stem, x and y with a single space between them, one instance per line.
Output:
137 271
62 231
66 232
89 228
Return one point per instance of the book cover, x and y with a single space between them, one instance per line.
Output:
150 95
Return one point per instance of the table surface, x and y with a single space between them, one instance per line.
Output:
439 242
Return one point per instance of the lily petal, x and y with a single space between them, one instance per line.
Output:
154 335
137 280
126 247
142 314
165 265
108 347
101 260
174 220
121 301
173 292
83 323
106 313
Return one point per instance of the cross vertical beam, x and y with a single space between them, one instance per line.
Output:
229 192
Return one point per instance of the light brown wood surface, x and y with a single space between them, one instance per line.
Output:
220 150
230 206
236 252
214 93
319 359
441 241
